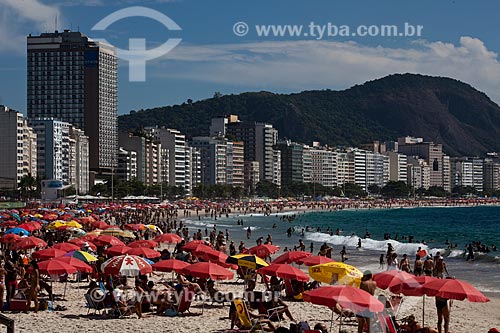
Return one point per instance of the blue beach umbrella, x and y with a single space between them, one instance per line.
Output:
18 231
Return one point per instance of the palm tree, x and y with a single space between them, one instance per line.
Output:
27 184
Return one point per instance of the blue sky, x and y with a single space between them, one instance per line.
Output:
459 39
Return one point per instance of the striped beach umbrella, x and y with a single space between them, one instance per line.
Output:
247 260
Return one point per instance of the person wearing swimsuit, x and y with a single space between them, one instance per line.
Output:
443 312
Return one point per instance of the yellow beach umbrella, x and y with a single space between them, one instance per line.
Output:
96 232
84 256
247 260
336 273
128 234
154 227
74 224
56 224
112 232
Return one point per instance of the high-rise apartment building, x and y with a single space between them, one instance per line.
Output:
72 78
368 168
251 175
418 173
259 140
235 163
221 161
17 149
467 172
62 153
79 160
175 142
433 154
323 166
126 164
397 166
292 161
491 174
148 156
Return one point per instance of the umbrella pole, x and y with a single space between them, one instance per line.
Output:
331 322
423 313
64 294
341 317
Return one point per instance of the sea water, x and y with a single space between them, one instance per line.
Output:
432 229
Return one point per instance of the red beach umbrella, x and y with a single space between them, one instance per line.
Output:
387 279
66 247
103 240
348 297
263 251
314 260
207 270
99 225
9 238
117 250
48 254
77 263
411 287
80 242
196 247
126 265
55 267
291 256
30 226
168 238
170 265
143 243
454 289
30 242
284 271
144 252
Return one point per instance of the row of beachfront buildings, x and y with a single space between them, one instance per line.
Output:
236 153
71 135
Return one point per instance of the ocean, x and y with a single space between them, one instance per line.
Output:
436 226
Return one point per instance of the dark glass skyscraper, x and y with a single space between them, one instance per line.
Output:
74 79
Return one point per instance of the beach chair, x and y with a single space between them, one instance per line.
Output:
247 323
97 306
288 289
186 297
347 316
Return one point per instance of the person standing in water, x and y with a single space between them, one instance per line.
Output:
249 233
343 254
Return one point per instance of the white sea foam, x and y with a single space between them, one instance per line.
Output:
368 243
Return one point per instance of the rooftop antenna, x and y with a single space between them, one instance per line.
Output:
55 24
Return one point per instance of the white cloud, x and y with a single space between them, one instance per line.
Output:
20 17
109 3
298 65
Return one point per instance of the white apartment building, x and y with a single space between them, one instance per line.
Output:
369 168
79 161
175 142
397 166
126 164
323 166
418 173
53 149
18 149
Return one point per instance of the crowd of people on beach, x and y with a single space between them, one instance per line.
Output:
20 273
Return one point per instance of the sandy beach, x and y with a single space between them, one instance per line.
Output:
465 316
204 317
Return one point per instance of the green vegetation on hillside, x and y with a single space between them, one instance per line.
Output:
438 109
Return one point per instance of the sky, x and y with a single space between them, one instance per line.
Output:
457 39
